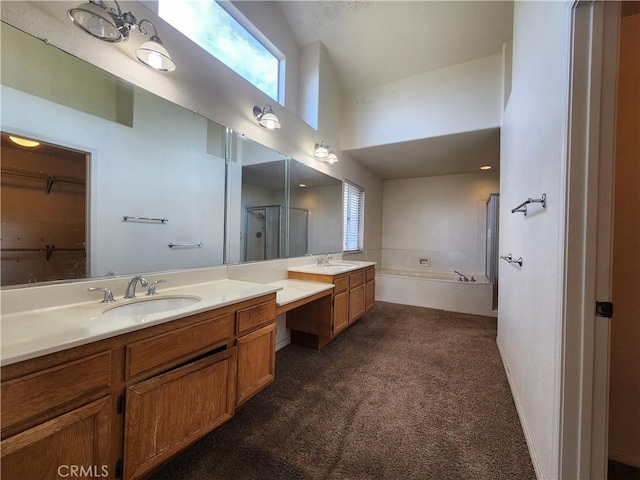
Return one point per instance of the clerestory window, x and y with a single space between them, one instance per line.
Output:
214 29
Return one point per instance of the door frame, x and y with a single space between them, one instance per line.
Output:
588 238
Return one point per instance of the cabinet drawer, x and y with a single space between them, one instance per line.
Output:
44 391
251 318
356 279
174 347
371 274
341 284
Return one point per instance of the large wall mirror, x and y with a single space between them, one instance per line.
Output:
125 182
315 212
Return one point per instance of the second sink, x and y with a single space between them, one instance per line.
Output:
148 306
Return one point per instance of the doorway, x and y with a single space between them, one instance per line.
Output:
624 363
44 212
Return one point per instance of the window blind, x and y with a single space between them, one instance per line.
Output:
353 209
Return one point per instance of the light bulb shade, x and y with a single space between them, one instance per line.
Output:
331 158
266 118
321 150
98 22
154 55
24 142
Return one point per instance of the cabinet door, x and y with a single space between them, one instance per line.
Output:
169 412
370 294
256 362
340 312
76 444
356 302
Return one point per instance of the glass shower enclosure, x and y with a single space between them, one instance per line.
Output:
492 255
265 232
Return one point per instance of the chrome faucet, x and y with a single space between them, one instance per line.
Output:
324 259
131 288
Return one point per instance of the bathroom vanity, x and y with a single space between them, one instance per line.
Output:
112 390
315 325
122 405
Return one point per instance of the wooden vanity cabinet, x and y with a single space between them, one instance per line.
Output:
172 410
370 294
119 407
353 295
256 362
256 349
81 437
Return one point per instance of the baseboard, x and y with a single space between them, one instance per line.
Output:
525 428
628 458
283 343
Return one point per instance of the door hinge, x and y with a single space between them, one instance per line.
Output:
119 469
604 309
121 404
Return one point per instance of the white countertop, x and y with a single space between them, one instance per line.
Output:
332 268
294 290
33 333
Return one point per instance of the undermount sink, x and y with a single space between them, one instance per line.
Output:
148 306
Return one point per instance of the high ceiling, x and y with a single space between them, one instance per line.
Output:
371 42
376 42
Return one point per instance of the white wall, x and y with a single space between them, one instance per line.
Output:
442 218
325 227
460 98
533 161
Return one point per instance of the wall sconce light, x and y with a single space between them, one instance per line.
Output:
321 150
331 158
324 152
266 118
113 26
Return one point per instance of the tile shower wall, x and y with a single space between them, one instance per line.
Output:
441 218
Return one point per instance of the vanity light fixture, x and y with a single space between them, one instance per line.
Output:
113 26
24 142
266 118
322 150
331 158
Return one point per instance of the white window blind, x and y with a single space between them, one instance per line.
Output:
353 217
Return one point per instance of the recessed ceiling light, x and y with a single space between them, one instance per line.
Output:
23 142
485 167
302 185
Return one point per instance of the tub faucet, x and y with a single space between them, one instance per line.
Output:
463 278
131 288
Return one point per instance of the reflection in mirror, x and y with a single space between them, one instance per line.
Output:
43 210
147 158
257 187
315 216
